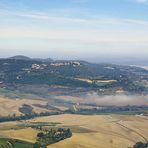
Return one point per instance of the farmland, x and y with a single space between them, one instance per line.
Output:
88 131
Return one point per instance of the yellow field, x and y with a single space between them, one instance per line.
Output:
106 81
89 131
84 80
27 134
99 81
11 106
106 131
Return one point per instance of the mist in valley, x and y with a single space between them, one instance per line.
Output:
117 100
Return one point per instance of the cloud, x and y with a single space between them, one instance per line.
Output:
141 1
85 30
95 21
77 35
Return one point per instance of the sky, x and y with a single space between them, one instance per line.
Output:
74 29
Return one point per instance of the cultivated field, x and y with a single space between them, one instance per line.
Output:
103 131
8 107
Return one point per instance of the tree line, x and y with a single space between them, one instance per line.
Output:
47 137
27 116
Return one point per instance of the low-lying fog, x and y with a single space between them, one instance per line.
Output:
119 100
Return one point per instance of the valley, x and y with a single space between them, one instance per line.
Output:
111 130
72 104
73 74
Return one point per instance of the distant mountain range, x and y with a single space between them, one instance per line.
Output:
101 59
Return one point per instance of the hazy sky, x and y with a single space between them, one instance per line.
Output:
74 28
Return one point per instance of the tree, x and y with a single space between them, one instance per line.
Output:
40 135
141 145
38 145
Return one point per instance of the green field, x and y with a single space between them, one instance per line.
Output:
13 143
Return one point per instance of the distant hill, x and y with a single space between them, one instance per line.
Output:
103 78
20 57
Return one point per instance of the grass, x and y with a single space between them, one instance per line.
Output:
78 129
16 143
23 145
38 124
3 141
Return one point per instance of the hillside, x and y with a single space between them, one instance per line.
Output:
20 57
72 76
88 131
103 105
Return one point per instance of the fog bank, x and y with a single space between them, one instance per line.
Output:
120 100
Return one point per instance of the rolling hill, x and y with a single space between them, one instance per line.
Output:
72 75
